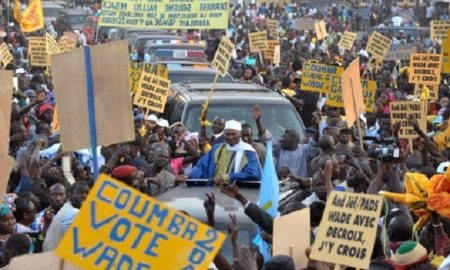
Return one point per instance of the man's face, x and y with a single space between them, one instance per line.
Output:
161 157
333 112
7 224
318 186
57 197
344 136
79 195
218 125
248 74
342 166
232 137
288 141
47 116
246 135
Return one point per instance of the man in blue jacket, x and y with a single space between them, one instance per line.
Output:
231 161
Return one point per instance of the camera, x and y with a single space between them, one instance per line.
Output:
386 149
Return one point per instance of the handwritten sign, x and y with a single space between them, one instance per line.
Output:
446 54
334 98
400 111
258 41
438 29
321 30
119 227
165 14
283 239
270 51
37 47
378 46
223 55
66 44
425 68
51 44
5 54
305 24
432 90
277 55
321 78
152 92
135 70
272 27
347 40
400 52
348 229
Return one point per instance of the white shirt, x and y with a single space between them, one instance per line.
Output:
397 21
312 198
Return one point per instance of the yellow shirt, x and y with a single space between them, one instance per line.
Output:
288 92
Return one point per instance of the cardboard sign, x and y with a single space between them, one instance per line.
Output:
258 41
73 38
400 52
378 46
348 229
270 51
305 24
334 98
321 30
120 227
425 68
433 90
6 88
352 92
320 78
165 14
223 55
438 30
52 45
446 54
277 55
5 54
400 111
41 49
66 44
287 243
152 92
135 70
272 27
347 40
46 260
6 164
112 101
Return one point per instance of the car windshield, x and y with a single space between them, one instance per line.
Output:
76 19
152 50
197 77
51 11
276 117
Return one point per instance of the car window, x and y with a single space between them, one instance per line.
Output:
197 77
51 11
276 117
245 237
75 19
152 50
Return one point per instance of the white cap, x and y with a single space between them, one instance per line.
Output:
152 117
443 167
163 123
233 124
20 71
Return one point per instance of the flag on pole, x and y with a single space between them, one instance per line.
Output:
32 18
16 14
269 193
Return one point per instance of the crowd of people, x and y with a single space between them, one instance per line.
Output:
47 186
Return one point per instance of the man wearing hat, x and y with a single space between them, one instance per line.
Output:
231 161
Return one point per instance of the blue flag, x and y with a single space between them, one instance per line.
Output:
269 193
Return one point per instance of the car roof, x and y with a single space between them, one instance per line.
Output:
46 4
190 199
227 91
75 11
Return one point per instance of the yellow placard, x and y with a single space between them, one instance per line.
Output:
258 41
400 52
334 98
432 90
347 40
321 30
119 227
321 78
5 54
152 92
305 24
277 55
378 46
223 55
446 54
165 14
52 45
401 110
270 51
135 70
272 27
37 49
348 229
425 68
438 29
